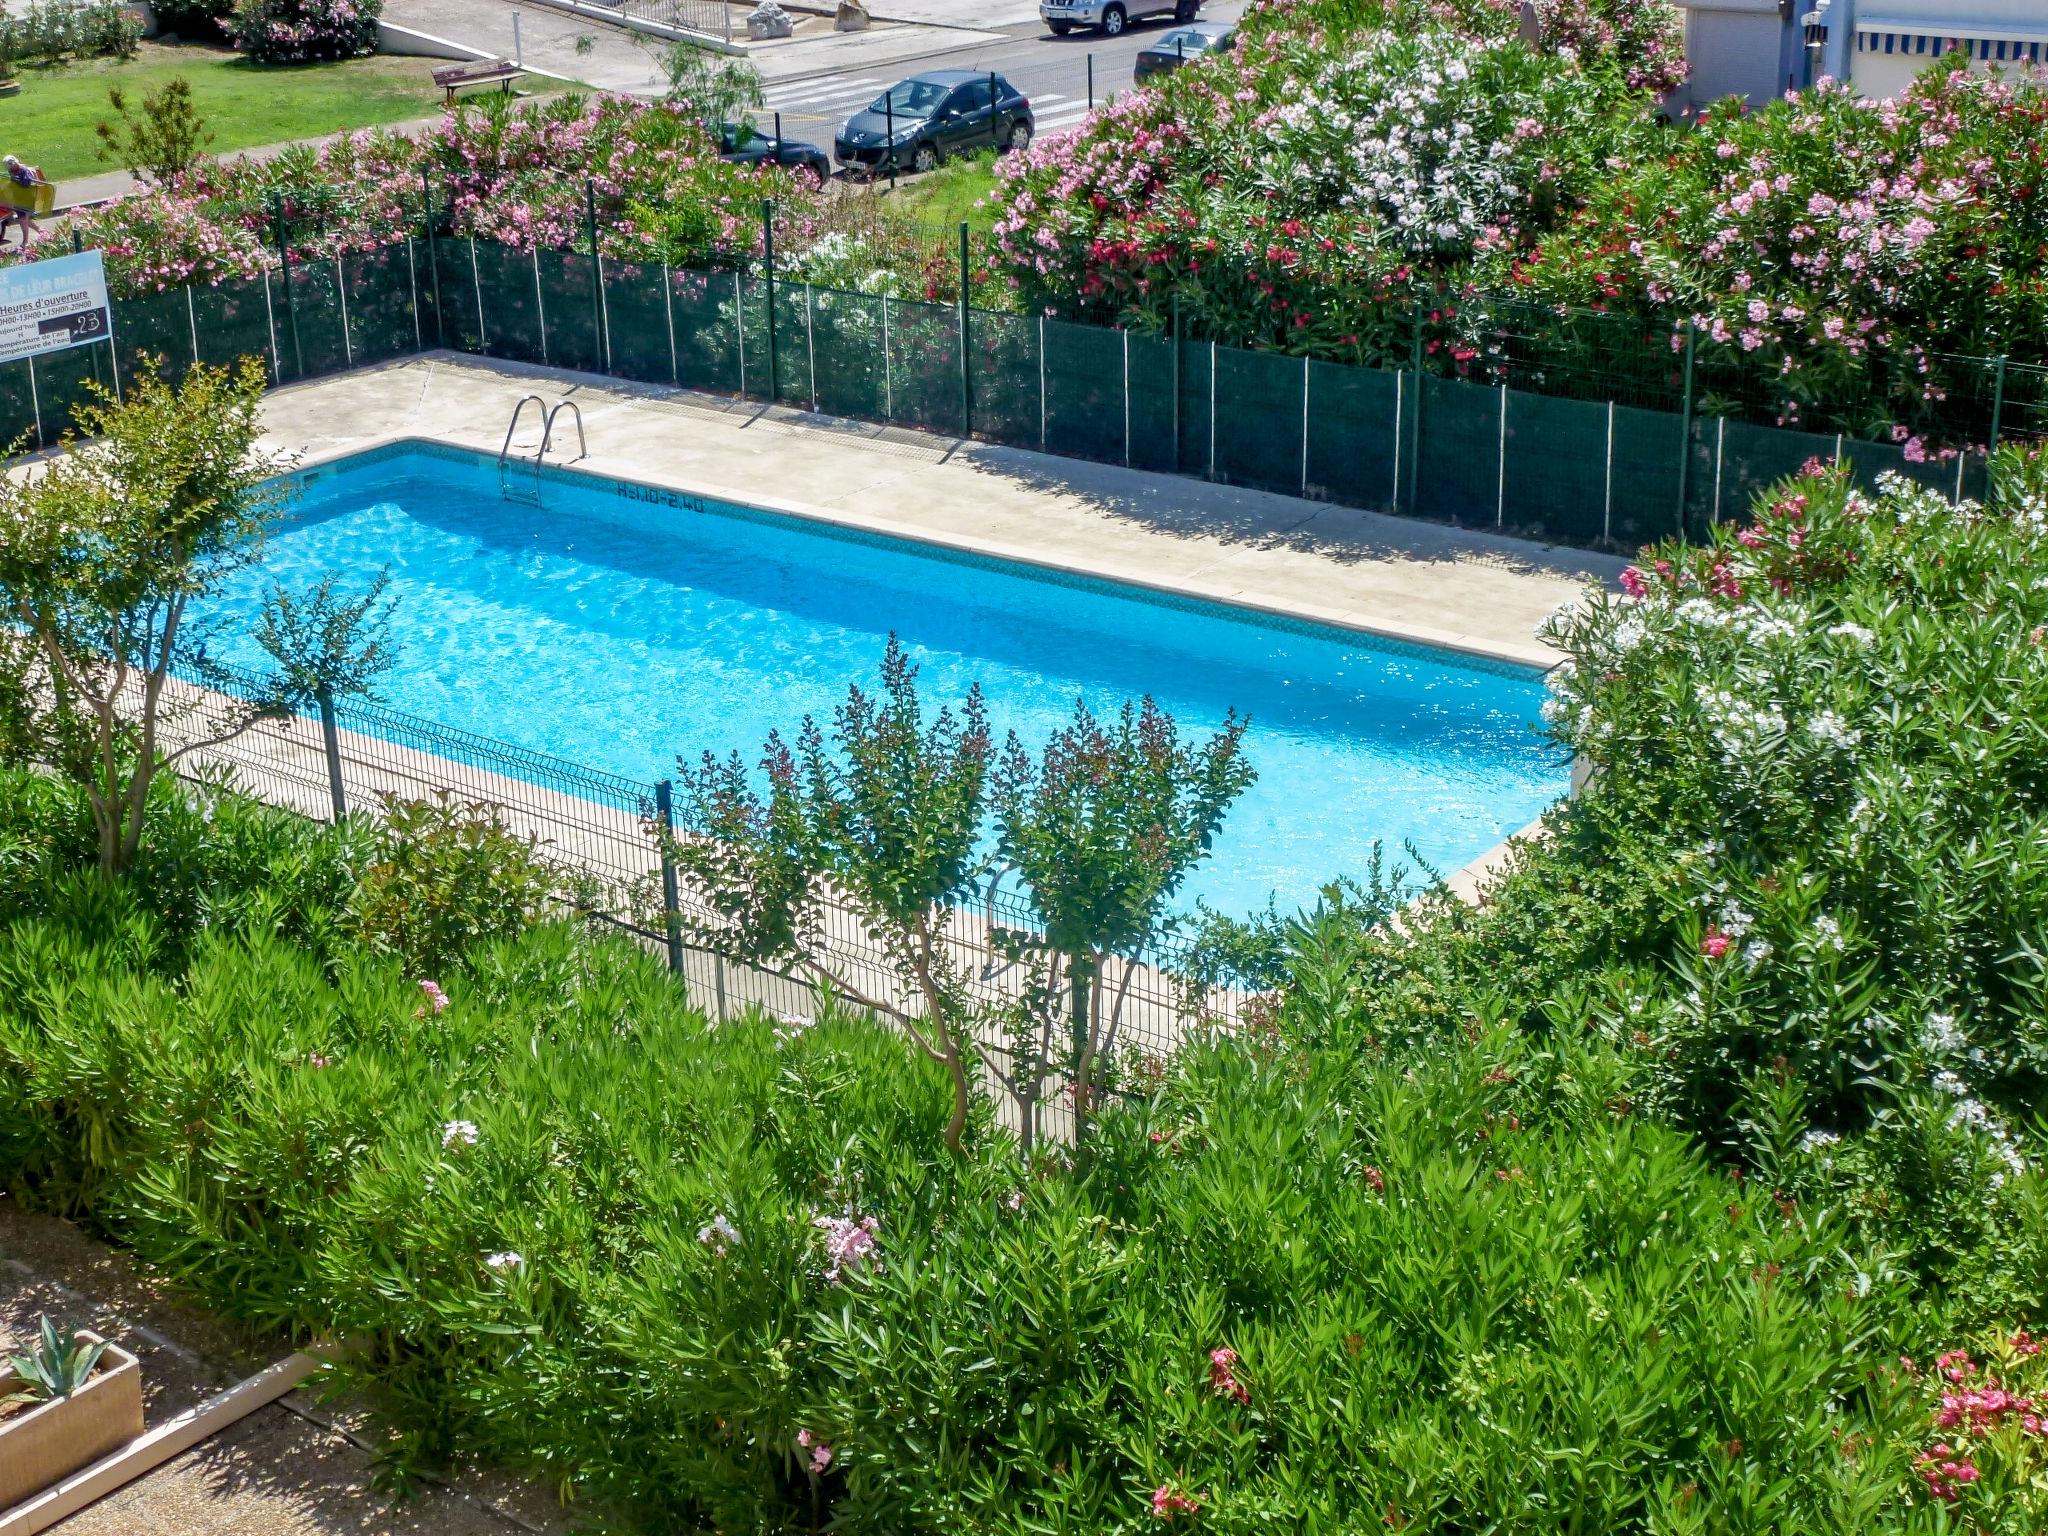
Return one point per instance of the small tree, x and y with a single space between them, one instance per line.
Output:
888 824
162 141
106 549
717 89
1103 827
327 645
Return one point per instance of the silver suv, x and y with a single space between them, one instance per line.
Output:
1111 15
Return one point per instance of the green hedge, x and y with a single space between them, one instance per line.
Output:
1463 1286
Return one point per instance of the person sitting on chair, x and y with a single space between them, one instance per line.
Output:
19 175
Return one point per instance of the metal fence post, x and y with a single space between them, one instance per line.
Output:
330 738
35 403
412 284
888 370
1127 399
1212 410
671 904
1400 427
966 373
348 347
1500 503
1607 504
668 306
768 262
811 340
739 321
1415 419
192 323
540 305
1304 424
1091 81
1685 426
1997 408
433 256
476 276
1044 409
284 269
1176 383
598 327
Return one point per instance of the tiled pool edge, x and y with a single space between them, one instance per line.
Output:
1533 660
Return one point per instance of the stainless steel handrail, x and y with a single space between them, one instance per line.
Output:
547 433
518 410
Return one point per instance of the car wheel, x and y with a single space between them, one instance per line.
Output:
1113 21
1186 11
1020 135
925 158
1060 28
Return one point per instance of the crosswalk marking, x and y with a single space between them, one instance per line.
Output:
806 91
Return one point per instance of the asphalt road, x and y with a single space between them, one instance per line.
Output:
1053 71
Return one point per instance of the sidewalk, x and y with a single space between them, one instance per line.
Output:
297 1467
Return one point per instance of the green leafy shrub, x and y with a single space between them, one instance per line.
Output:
303 31
447 875
48 31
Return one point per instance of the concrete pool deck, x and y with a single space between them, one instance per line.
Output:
1470 591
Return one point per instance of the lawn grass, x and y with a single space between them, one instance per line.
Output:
957 190
50 124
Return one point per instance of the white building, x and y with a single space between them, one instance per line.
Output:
1757 49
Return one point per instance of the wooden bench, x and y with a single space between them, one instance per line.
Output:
452 77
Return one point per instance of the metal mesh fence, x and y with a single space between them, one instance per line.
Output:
1575 428
597 830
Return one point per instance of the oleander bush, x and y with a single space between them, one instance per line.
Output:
304 31
1689 1184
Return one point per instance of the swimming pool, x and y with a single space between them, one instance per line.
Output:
619 626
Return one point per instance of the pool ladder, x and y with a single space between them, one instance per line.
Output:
530 493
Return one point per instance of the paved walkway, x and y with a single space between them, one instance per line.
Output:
1420 581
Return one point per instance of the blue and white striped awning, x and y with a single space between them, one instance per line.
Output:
1995 50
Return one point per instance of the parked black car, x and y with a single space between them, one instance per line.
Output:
744 144
945 112
1172 49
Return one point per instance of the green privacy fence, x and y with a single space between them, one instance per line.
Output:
1533 463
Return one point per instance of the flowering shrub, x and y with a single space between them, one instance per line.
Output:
1644 40
1790 718
511 173
302 31
1987 1455
1451 1274
1284 190
1832 249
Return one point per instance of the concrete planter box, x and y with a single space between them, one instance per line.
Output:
42 1444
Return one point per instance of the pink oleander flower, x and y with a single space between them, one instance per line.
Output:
1632 582
1169 1502
850 1245
819 1455
1223 1376
437 1000
1375 1180
1715 944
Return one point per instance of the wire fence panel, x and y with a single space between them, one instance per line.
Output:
1457 460
636 322
571 310
706 312
233 321
448 289
1262 404
849 367
1152 403
1003 354
154 326
1084 391
317 296
1556 468
512 320
383 321
1646 454
796 374
1197 371
924 365
1354 439
18 409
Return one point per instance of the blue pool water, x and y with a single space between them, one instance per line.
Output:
618 626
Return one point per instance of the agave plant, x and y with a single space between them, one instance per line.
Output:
54 1366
